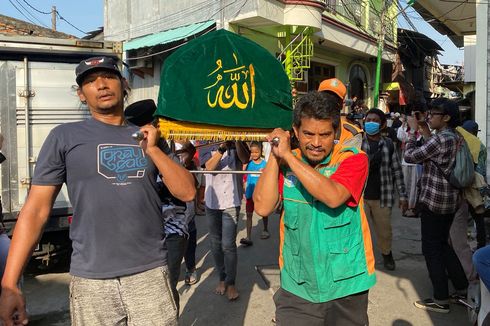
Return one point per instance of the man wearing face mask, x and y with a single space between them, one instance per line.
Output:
384 171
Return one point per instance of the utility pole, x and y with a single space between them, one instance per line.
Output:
222 13
381 41
53 18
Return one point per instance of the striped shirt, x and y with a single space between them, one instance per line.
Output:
174 219
435 191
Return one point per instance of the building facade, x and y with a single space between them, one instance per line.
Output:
314 39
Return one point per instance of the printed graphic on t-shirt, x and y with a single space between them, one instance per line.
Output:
328 172
121 162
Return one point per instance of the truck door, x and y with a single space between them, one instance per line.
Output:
33 101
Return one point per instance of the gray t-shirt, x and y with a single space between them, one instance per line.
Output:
117 228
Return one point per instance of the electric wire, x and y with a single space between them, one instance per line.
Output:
170 18
190 33
30 14
21 12
48 13
35 9
66 21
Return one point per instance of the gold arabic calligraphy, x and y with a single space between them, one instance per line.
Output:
227 85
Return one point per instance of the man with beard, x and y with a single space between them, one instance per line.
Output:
326 256
118 266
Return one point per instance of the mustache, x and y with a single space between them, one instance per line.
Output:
105 94
314 148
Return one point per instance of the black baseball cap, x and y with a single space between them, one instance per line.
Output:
88 65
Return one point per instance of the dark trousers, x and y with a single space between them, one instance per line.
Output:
175 253
481 234
347 311
190 251
441 260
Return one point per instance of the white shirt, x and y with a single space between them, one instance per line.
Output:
223 190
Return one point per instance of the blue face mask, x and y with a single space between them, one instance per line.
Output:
371 128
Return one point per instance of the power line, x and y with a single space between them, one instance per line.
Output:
404 14
62 18
21 12
39 11
170 18
190 33
29 13
42 12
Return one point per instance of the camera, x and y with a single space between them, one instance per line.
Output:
355 116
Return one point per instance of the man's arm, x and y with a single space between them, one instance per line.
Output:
266 193
178 180
324 189
27 232
329 192
242 151
398 174
414 154
213 162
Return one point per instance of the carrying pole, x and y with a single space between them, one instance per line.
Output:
224 172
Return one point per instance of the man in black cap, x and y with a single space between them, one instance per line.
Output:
119 260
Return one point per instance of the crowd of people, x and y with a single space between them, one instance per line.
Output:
333 179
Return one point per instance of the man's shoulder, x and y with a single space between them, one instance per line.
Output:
68 127
446 135
349 126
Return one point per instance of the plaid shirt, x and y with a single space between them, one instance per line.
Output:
435 191
390 172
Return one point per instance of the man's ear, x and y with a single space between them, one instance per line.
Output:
125 87
82 97
446 118
296 132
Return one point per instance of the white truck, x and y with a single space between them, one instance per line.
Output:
37 93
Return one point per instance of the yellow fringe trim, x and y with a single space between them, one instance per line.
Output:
180 130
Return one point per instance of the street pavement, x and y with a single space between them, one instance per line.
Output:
390 300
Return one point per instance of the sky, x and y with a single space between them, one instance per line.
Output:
85 15
88 15
450 55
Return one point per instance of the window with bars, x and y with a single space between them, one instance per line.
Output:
331 5
351 10
317 73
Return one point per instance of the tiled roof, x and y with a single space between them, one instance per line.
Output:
17 27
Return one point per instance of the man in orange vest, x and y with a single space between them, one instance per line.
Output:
348 134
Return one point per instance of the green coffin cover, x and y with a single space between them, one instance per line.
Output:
222 78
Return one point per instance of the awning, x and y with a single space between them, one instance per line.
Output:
394 86
453 85
167 36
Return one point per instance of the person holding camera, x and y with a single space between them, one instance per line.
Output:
438 199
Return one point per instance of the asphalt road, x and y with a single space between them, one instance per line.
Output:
390 300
